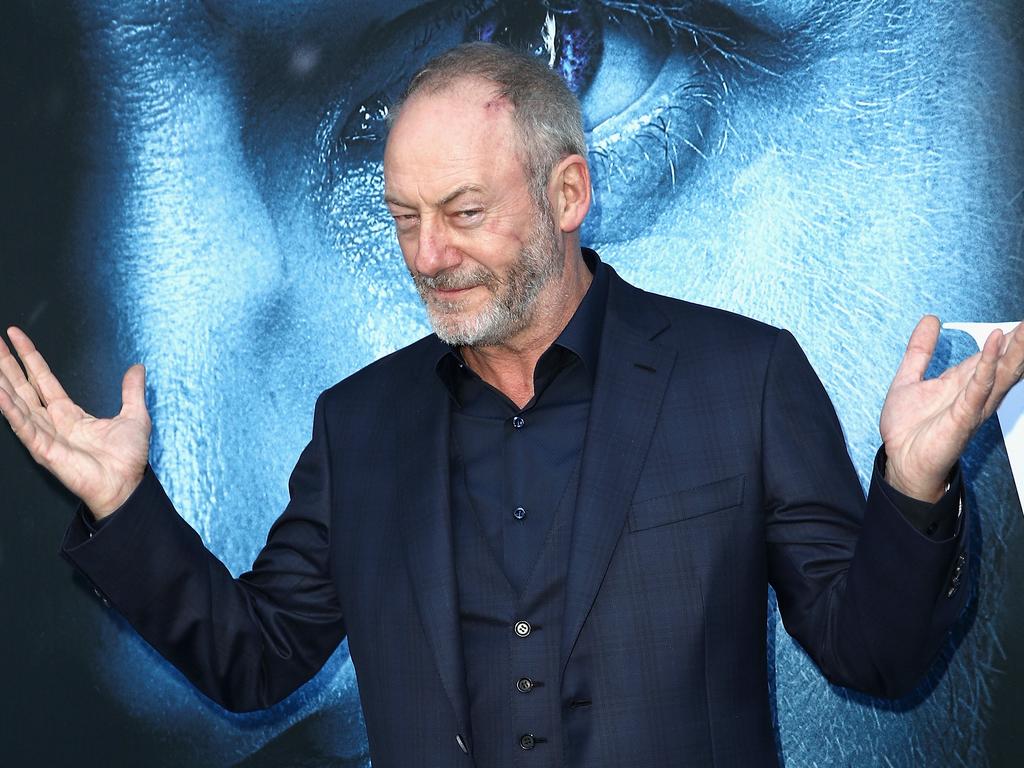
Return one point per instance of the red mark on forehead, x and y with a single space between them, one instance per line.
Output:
497 104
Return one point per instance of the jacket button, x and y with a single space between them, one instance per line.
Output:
524 684
527 741
523 628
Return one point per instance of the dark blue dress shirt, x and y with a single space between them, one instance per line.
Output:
516 462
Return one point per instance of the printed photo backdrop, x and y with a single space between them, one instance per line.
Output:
197 186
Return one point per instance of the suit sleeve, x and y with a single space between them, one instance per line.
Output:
868 595
246 642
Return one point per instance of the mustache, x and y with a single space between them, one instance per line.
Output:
453 280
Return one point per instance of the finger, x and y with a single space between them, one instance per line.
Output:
11 369
39 373
12 399
1012 351
919 351
33 429
16 409
7 405
17 415
963 370
1010 367
133 392
980 385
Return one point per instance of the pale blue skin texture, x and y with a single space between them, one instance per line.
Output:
246 258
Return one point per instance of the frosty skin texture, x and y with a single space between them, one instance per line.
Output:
837 168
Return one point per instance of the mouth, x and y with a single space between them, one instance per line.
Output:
449 290
452 293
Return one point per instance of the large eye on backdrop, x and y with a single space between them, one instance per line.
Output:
652 78
568 39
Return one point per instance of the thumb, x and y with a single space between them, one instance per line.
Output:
133 391
919 351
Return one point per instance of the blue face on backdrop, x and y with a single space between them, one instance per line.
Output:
835 167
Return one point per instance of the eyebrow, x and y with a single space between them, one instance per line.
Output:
455 193
392 200
458 192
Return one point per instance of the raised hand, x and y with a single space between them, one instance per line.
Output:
926 424
99 460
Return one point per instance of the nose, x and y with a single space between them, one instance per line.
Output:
434 252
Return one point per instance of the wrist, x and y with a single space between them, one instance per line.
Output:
100 509
926 490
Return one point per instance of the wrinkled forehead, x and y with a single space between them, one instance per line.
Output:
464 122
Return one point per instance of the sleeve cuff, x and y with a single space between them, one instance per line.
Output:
939 521
84 526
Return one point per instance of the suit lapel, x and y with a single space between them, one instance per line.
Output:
630 384
423 480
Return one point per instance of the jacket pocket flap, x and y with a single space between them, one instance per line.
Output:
686 504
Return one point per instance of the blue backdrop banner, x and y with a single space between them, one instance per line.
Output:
197 185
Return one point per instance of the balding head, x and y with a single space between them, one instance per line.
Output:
545 114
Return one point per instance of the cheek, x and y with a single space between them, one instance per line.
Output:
502 237
492 246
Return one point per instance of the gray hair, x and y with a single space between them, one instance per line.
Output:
546 114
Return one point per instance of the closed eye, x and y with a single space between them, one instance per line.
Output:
405 221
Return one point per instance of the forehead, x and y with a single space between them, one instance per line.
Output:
463 129
468 100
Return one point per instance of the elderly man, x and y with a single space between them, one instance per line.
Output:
548 529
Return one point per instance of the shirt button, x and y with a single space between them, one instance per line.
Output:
523 628
527 741
524 684
518 422
519 513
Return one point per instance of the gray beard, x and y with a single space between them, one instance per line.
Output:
513 301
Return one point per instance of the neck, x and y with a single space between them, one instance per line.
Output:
509 366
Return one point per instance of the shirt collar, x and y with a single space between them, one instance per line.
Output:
581 336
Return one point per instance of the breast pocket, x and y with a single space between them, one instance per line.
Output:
687 503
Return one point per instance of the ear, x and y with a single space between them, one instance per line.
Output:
569 191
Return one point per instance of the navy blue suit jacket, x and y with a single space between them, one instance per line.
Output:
713 464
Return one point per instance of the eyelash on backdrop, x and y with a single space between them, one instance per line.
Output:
718 46
718 52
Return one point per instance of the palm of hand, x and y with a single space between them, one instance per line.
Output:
926 424
94 458
924 433
99 460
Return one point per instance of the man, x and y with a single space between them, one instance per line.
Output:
675 457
